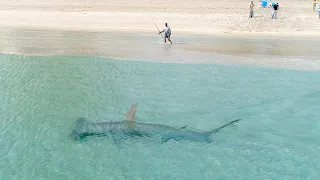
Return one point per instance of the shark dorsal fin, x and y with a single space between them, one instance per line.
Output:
130 119
131 114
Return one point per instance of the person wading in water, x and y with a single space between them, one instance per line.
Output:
167 33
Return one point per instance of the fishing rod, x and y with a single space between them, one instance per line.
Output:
155 24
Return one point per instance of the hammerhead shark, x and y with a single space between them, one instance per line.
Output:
130 128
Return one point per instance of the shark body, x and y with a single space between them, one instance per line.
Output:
130 128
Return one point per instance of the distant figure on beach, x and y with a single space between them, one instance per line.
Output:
319 12
275 11
251 9
167 33
314 5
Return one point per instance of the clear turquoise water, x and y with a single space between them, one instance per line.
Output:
41 97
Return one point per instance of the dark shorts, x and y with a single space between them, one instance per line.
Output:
167 36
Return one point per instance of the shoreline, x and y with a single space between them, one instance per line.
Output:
150 31
290 53
202 31
286 64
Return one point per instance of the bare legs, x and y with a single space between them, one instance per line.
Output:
165 39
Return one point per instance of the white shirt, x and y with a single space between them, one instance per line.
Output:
167 31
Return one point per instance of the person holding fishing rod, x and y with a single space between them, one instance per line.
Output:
167 33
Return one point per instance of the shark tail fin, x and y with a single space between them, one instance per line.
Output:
221 127
79 128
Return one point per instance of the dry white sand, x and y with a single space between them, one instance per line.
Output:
191 16
47 27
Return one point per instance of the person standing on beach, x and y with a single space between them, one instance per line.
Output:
251 10
275 11
314 5
319 12
167 33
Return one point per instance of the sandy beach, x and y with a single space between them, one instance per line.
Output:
58 27
201 16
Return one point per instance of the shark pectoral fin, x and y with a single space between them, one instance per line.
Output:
131 114
184 127
165 139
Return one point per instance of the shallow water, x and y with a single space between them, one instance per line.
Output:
41 97
278 52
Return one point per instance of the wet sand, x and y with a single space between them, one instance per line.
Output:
296 53
202 31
